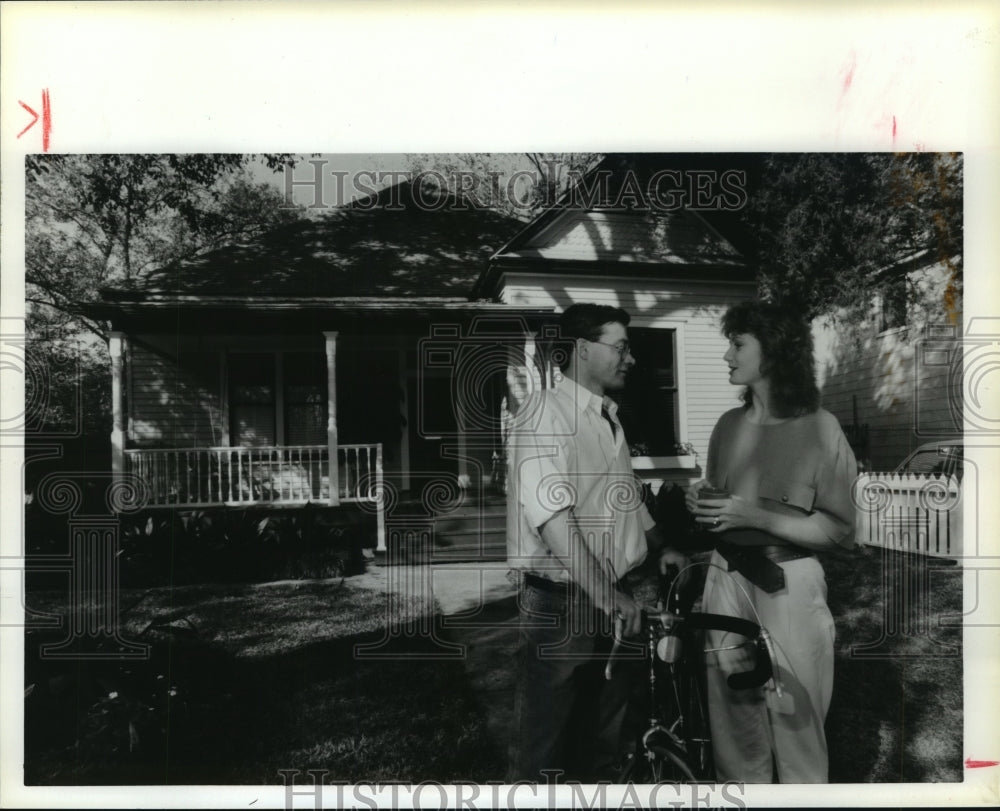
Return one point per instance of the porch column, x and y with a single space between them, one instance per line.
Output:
404 412
117 407
331 419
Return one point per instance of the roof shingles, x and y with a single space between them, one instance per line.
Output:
373 252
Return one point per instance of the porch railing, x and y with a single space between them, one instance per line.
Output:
910 513
279 475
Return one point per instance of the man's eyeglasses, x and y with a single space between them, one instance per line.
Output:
623 349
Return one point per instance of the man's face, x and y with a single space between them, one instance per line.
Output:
608 358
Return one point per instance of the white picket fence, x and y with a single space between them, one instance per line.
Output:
910 513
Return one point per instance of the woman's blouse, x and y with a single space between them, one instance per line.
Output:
802 466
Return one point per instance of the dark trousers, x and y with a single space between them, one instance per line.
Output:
567 716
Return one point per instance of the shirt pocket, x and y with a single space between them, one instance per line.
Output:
798 494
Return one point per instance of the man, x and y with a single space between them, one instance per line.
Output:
576 525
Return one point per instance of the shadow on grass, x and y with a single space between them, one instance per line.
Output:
407 715
246 681
195 713
896 711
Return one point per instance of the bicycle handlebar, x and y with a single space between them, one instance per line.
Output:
721 622
764 660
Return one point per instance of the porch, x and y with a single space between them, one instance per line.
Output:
285 418
255 476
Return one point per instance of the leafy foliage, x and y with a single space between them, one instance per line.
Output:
829 228
97 220
220 545
92 220
225 545
119 720
515 185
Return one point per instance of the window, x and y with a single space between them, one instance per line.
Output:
648 407
252 404
893 304
305 398
261 382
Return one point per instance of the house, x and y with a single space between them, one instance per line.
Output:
637 237
894 378
896 372
289 371
372 356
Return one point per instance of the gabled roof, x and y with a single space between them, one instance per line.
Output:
385 246
602 224
676 237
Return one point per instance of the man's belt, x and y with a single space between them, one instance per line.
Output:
759 564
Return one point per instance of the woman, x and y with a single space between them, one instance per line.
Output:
788 470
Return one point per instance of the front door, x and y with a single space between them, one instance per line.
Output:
432 426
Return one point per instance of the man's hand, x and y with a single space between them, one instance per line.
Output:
628 611
671 557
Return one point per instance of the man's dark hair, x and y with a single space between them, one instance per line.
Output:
585 321
786 348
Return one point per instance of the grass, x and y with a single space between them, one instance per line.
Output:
269 680
246 680
896 712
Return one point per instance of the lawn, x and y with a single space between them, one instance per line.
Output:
246 680
896 713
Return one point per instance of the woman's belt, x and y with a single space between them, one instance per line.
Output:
759 564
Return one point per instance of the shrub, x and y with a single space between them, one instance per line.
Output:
248 545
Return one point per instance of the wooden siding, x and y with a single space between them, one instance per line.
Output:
176 384
692 308
173 398
898 382
680 237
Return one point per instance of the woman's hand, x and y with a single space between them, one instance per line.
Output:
732 512
691 495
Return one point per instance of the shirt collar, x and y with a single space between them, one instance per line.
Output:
585 398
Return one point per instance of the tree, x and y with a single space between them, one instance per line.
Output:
98 220
514 184
92 220
828 229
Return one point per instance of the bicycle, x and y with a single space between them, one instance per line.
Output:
676 745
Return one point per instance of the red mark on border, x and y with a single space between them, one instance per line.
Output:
850 76
33 120
980 764
46 119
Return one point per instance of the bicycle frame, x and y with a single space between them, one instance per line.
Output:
675 747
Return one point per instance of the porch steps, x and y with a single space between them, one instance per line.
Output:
474 531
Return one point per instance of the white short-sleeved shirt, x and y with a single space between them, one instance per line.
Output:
562 455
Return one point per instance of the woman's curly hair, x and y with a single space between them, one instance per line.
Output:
786 347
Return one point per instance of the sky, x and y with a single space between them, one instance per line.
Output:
302 178
321 181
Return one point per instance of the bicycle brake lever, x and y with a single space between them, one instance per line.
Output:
619 632
775 678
